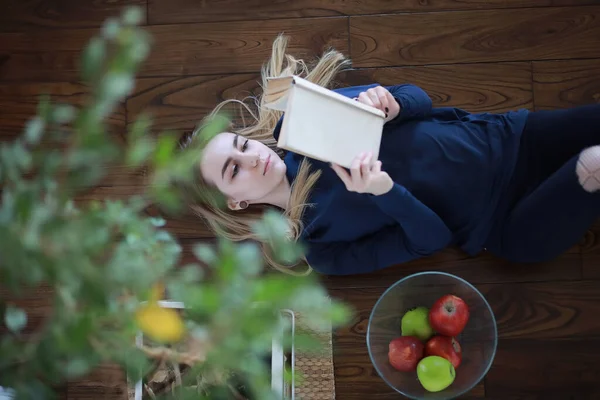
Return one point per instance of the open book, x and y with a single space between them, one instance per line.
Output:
322 124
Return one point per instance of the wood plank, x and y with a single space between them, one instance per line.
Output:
475 87
591 253
355 376
545 369
177 50
36 302
18 104
237 47
475 36
184 226
566 84
537 323
181 103
108 381
484 268
27 15
185 11
547 310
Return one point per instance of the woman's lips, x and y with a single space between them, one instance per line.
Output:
267 164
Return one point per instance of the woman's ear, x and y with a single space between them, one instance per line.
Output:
236 205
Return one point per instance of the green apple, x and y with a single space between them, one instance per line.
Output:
435 373
416 323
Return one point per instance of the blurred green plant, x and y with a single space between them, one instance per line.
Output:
106 261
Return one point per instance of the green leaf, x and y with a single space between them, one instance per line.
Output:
157 221
139 152
116 86
15 319
111 28
22 155
164 150
135 363
205 253
93 59
34 128
140 126
44 107
191 273
78 367
249 259
133 16
32 390
64 113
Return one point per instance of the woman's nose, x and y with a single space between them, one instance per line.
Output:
250 160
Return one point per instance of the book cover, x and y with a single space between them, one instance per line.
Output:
322 124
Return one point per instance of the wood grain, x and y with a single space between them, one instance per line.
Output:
36 302
105 382
184 11
185 225
475 88
475 36
544 369
32 14
484 268
18 104
181 103
177 50
591 253
546 310
356 376
218 48
566 84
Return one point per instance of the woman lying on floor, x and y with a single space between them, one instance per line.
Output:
522 185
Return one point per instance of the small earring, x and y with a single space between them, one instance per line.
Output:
243 205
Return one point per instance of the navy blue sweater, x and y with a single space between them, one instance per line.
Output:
450 170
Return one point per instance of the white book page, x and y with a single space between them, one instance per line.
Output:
322 128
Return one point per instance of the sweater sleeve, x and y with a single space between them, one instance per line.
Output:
419 233
414 101
423 226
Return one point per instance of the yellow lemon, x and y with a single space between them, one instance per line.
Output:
161 324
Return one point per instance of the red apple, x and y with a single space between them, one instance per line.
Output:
446 347
405 352
449 315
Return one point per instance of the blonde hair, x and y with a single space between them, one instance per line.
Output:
238 225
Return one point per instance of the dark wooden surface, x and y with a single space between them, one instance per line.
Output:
479 55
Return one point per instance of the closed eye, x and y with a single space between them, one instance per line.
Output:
236 167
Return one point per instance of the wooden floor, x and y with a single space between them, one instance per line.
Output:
491 55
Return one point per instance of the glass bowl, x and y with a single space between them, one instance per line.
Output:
478 340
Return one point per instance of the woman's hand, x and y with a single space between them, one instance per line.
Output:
365 176
380 98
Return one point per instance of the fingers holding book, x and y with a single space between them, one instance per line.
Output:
380 98
365 176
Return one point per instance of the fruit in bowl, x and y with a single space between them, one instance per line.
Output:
428 344
446 347
435 373
416 323
405 352
449 315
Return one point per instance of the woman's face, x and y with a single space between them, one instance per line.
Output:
242 169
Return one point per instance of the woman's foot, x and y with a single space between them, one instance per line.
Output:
588 169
